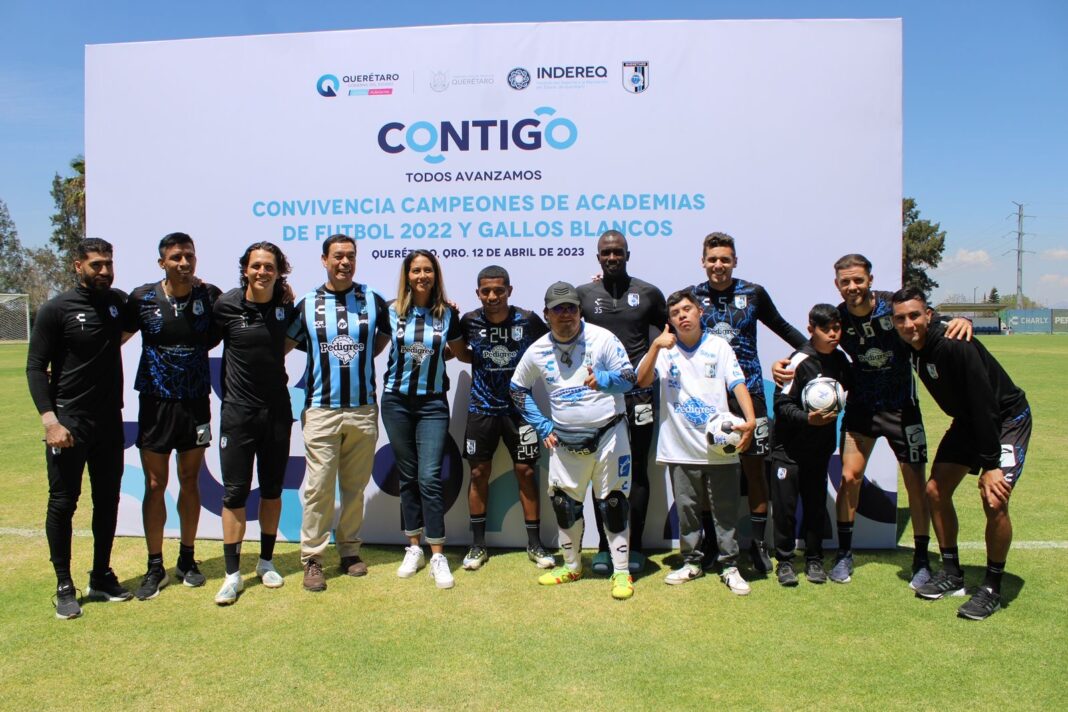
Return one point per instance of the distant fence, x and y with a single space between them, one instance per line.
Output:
1035 321
1060 321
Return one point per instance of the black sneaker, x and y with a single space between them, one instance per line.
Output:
66 601
814 571
941 584
758 553
983 604
786 574
154 580
191 577
106 587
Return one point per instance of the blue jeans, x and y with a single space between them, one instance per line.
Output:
417 427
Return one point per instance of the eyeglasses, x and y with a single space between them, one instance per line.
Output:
561 309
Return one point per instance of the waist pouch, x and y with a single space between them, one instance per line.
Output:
584 441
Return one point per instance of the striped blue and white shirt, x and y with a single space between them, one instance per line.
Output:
338 330
417 357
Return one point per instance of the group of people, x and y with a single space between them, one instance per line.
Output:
599 353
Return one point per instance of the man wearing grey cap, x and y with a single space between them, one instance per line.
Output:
585 371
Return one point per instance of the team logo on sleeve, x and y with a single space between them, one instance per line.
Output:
932 371
740 301
198 308
632 299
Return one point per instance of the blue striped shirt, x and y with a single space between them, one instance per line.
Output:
417 357
338 331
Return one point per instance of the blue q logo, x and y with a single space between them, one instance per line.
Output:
478 135
327 85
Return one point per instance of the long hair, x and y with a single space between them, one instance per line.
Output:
438 300
281 264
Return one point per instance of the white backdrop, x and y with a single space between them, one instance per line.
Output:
510 144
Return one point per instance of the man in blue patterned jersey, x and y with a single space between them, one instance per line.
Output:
628 307
497 336
731 309
342 326
174 382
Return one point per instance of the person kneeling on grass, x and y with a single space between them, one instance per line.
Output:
802 445
696 369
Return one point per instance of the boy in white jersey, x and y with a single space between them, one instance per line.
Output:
585 371
696 369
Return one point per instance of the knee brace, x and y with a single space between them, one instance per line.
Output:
615 511
567 510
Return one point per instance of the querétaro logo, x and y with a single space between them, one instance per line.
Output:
327 85
357 84
635 77
695 410
528 134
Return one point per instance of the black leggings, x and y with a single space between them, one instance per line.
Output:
98 443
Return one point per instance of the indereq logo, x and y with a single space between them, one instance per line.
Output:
436 139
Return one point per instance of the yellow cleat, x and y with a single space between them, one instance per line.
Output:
622 586
560 574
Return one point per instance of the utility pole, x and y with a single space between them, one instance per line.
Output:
1019 252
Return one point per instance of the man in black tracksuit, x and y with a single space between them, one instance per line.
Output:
990 432
74 370
802 445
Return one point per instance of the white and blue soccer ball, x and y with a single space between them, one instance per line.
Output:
823 395
721 434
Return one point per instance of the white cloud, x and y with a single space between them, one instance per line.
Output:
967 258
1059 253
1058 280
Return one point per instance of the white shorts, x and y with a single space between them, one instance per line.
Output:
608 468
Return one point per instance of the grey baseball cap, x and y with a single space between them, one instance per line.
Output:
560 293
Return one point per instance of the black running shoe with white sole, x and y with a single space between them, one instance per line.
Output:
106 587
983 604
941 584
154 580
814 571
758 554
66 601
786 574
190 577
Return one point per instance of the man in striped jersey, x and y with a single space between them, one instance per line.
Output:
341 325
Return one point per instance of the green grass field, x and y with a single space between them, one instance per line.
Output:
498 641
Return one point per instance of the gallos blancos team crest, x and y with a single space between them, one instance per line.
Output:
635 76
279 314
517 333
632 299
740 301
198 308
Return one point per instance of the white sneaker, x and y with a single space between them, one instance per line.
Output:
269 574
439 571
413 561
688 572
231 587
733 578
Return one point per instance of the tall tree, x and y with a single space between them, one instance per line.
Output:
68 222
12 256
922 245
994 297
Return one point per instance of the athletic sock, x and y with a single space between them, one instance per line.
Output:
478 529
951 561
845 538
571 544
232 557
994 571
920 558
533 527
619 545
267 545
185 557
758 521
155 561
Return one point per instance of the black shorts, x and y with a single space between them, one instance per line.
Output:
484 432
903 430
247 433
164 425
758 446
958 446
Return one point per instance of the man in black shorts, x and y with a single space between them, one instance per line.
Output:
174 318
257 417
988 436
628 307
496 336
74 370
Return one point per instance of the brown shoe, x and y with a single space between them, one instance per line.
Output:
314 580
353 566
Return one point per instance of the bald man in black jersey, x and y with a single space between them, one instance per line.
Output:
628 307
74 369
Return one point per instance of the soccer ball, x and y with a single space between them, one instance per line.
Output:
721 435
823 395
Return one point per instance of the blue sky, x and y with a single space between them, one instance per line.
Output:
985 103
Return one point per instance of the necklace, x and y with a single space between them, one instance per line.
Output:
565 354
177 306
